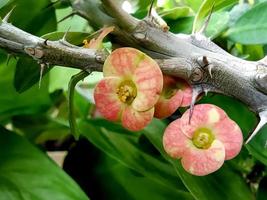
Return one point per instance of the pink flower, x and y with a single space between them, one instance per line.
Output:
176 93
204 144
130 89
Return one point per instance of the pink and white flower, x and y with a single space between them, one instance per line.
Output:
131 87
176 93
206 142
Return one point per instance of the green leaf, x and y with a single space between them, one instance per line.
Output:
59 81
194 4
3 3
251 52
257 146
143 4
262 191
27 66
218 23
182 25
237 11
205 9
221 185
175 13
12 103
251 27
27 173
114 176
124 146
32 16
40 128
74 23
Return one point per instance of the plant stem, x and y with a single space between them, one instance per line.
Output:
71 90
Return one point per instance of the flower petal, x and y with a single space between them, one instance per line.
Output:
165 107
96 43
122 62
229 133
174 141
204 115
106 99
201 162
170 98
135 120
149 82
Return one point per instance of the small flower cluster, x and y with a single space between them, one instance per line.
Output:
134 91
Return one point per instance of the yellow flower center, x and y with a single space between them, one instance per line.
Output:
127 91
203 138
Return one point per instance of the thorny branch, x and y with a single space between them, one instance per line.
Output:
193 57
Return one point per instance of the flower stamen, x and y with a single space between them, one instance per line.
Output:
126 92
203 138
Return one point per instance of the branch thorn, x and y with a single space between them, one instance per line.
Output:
155 19
64 39
6 18
209 69
65 35
150 8
42 67
45 42
206 23
263 60
203 61
263 121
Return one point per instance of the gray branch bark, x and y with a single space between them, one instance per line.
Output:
43 51
193 57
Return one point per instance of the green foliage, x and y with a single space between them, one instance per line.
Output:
176 13
218 23
205 9
3 3
194 4
262 192
147 188
127 148
27 173
39 128
12 103
251 27
131 161
33 71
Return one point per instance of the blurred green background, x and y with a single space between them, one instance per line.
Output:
109 162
